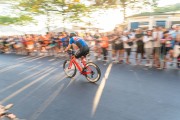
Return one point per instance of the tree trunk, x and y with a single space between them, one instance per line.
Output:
124 11
48 21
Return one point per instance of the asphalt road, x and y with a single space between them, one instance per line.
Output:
39 89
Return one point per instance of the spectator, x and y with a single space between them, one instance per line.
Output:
127 45
173 33
64 41
104 45
112 39
119 48
166 46
157 36
148 46
97 47
177 50
140 45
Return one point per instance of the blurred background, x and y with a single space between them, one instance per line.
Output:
22 16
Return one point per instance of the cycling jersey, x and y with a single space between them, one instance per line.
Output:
82 45
78 41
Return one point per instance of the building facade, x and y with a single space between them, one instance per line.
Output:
147 22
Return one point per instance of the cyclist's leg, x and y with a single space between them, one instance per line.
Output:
78 53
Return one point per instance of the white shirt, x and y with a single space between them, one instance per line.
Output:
148 41
124 38
157 36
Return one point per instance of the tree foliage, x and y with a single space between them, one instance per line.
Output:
170 8
13 15
161 10
127 4
21 20
73 9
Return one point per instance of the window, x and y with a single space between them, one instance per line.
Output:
161 23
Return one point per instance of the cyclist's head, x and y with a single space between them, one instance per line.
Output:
72 34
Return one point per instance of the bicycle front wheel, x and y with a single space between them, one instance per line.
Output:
70 70
93 73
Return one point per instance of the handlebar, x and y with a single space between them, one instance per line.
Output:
71 52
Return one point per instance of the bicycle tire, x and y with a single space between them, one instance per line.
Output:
66 62
98 72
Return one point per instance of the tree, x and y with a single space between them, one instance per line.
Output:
17 18
161 10
170 8
21 20
71 11
127 4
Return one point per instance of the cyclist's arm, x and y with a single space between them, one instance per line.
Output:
71 41
68 47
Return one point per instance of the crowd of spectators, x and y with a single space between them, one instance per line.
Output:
159 45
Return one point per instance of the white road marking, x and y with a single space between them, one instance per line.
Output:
100 90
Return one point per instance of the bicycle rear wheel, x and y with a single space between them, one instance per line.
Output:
93 72
70 71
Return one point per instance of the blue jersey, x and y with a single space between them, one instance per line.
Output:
64 41
78 41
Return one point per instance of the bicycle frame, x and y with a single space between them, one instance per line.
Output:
73 60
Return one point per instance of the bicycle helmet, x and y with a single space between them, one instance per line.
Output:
72 34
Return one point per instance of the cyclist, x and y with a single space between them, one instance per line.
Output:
79 43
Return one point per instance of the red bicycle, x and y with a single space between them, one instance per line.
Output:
90 70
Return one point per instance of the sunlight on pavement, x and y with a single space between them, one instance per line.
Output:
100 90
55 63
30 76
25 59
32 68
57 80
73 79
33 59
54 82
51 60
10 68
26 86
3 65
46 103
36 59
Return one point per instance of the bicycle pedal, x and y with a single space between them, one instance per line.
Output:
83 70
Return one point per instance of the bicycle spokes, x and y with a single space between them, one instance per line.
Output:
92 72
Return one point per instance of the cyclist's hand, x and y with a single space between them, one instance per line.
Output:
65 50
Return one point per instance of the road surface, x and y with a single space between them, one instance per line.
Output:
39 89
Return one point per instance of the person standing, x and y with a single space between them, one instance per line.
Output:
127 45
157 36
148 46
140 45
166 46
104 45
177 50
118 48
173 33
